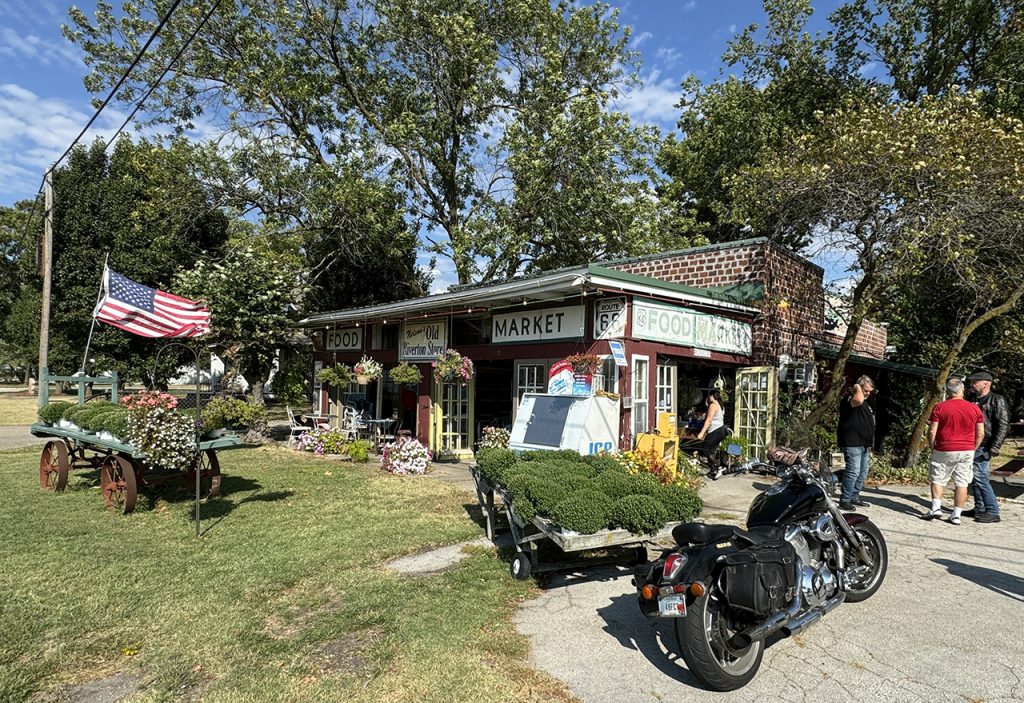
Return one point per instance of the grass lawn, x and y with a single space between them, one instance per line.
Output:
18 410
284 599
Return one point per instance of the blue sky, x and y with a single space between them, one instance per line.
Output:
43 104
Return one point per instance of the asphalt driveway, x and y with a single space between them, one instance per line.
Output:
946 625
16 436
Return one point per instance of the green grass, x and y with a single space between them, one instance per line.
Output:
18 410
284 599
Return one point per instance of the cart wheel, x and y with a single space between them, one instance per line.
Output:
117 482
520 567
53 466
209 474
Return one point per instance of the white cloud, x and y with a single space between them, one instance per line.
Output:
668 56
43 51
639 39
690 6
653 101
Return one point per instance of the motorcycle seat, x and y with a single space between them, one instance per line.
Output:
702 533
787 456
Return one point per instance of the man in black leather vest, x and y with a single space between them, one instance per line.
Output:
997 422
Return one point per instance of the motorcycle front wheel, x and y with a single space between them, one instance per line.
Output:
702 635
866 580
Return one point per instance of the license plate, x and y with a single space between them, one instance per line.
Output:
672 606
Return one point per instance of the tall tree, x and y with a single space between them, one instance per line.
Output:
308 91
893 190
141 205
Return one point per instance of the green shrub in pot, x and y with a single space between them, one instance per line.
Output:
52 412
640 514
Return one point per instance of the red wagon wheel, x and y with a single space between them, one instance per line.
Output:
54 466
209 474
117 482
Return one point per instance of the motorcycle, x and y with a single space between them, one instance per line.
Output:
729 589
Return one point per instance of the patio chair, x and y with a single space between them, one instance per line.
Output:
352 425
389 433
296 427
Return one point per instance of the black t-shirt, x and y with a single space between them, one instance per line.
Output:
856 424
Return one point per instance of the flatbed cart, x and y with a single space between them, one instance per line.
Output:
525 535
123 468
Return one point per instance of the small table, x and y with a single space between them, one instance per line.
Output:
378 428
318 418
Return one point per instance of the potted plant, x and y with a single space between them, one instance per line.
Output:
405 374
229 413
584 363
452 367
367 370
116 427
51 413
338 375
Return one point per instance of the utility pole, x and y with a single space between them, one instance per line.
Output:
47 262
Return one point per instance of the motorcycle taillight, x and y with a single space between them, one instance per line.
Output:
673 563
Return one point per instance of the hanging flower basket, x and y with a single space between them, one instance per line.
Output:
367 370
405 374
452 367
584 363
338 375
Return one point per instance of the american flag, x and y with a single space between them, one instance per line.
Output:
149 312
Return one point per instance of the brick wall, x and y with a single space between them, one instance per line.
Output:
792 311
871 340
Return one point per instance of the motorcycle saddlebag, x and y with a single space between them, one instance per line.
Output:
760 579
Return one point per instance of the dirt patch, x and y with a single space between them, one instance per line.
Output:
296 618
347 655
106 690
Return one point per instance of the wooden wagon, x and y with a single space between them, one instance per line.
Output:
123 468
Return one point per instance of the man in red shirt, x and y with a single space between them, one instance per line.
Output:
956 430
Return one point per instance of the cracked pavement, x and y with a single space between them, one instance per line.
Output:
945 625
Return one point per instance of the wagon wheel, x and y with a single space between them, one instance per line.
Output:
209 474
53 466
117 481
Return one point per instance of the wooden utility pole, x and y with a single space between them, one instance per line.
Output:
47 263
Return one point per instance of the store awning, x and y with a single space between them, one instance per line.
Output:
830 352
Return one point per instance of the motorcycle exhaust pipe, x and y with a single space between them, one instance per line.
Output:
742 640
804 621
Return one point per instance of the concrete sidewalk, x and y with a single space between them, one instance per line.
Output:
944 626
16 436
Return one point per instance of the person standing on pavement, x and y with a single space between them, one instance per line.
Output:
856 436
713 432
956 429
997 422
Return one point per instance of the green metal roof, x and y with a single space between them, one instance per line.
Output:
832 352
742 294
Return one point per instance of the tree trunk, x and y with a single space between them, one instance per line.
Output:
256 386
917 437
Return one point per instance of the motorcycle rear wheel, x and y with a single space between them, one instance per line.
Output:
702 634
870 580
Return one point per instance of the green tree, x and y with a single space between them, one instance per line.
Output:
248 292
141 205
422 90
896 190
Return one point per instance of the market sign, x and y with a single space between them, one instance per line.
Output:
538 325
350 339
422 341
675 325
610 318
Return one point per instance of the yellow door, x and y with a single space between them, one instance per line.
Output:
451 420
756 407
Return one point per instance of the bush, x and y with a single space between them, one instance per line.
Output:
494 463
405 456
637 462
97 420
83 417
583 511
359 451
322 441
117 425
615 485
640 514
680 502
545 493
524 509
51 412
604 462
884 470
548 454
644 484
232 413
494 438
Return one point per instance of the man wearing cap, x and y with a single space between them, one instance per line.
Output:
997 422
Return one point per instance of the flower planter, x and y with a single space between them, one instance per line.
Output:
67 425
214 434
362 380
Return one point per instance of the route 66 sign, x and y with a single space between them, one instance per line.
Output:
610 318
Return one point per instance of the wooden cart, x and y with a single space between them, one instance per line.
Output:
123 468
525 535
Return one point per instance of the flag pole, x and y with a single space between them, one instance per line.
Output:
92 326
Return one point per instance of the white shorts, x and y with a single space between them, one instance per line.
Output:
958 465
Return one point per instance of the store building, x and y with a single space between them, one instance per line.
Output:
726 316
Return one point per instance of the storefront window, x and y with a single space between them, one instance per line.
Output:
530 378
666 388
607 377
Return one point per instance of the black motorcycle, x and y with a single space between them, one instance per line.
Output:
729 589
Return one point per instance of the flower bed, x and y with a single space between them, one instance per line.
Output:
405 456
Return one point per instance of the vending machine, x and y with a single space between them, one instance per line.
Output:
587 424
